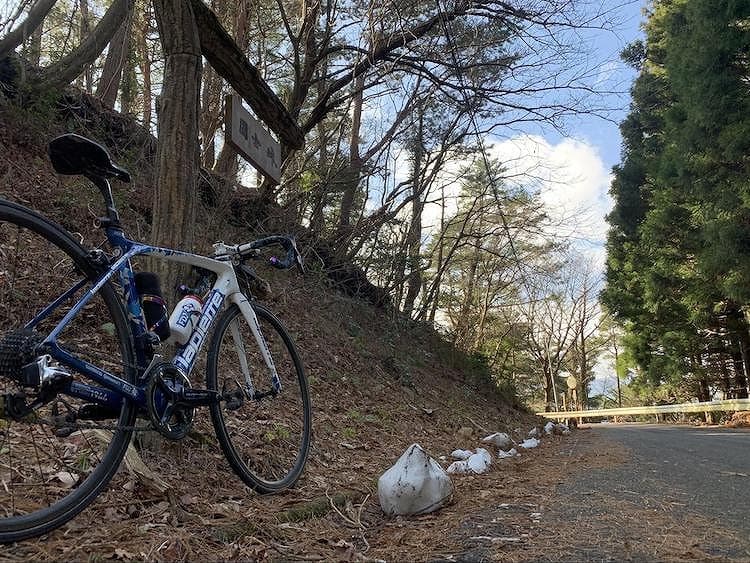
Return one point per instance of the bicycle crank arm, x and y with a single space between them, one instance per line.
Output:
198 397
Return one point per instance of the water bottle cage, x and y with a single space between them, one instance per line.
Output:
159 301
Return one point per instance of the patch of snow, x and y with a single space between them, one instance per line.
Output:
513 452
480 462
499 439
459 467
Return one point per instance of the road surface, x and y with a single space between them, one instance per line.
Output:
682 493
636 493
711 466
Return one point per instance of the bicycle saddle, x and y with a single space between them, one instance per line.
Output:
72 154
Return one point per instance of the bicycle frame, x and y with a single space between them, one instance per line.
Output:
114 389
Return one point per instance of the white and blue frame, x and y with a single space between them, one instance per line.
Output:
114 389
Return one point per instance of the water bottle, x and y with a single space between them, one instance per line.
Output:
184 318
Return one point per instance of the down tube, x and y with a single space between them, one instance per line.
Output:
252 320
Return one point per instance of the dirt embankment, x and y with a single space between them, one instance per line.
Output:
378 384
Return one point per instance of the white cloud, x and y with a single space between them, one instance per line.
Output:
569 176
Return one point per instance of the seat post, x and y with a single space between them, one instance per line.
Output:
106 190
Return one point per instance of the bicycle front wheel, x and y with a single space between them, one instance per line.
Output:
265 438
53 463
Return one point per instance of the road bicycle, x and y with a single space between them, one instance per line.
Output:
81 366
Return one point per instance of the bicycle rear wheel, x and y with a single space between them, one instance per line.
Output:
53 463
266 440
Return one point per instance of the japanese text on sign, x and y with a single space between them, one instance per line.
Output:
251 139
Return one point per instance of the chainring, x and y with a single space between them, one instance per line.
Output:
170 418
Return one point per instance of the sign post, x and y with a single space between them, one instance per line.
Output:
250 138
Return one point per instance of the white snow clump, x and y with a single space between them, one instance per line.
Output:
478 463
529 443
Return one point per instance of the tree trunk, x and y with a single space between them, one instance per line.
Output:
66 70
584 365
353 171
461 335
434 294
129 83
320 195
31 27
414 235
738 326
85 79
34 52
549 392
177 149
227 164
109 82
725 379
145 60
211 116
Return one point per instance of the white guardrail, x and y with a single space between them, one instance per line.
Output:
709 406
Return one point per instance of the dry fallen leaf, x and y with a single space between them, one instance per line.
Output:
67 478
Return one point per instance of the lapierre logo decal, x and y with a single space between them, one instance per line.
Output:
191 349
184 319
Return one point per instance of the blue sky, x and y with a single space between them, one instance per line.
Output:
601 133
577 161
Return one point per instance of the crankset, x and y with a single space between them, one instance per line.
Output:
171 401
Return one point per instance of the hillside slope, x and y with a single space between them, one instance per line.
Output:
378 384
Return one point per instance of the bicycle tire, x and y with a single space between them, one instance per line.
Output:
66 472
271 435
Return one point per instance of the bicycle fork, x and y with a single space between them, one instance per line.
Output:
252 320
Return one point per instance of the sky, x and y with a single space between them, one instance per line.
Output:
571 166
578 161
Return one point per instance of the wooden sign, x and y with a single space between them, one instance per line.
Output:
250 138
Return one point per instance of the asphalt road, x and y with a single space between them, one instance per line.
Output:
620 493
709 466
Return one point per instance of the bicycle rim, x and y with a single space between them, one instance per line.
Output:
51 465
266 441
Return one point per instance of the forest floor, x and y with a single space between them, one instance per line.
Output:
377 384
